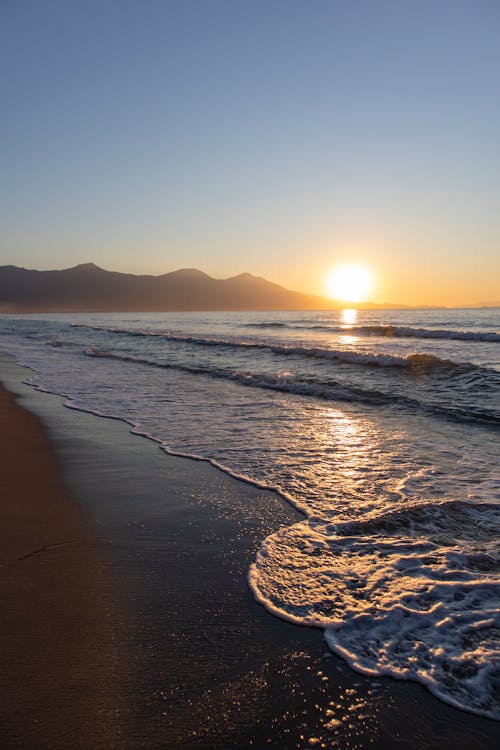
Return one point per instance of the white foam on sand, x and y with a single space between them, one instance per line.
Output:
406 600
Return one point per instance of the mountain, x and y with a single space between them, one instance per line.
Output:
88 288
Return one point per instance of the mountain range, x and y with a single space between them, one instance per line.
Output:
88 288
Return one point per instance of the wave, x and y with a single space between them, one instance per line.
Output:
330 391
437 519
265 324
387 331
417 361
61 344
425 333
416 604
284 383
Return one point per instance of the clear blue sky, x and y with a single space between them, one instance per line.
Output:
274 137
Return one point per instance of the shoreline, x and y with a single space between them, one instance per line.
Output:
205 665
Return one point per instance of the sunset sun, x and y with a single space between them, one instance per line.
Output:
350 282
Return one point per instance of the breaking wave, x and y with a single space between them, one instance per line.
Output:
417 361
388 331
287 383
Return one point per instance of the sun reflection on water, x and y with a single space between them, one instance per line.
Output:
349 316
340 450
347 339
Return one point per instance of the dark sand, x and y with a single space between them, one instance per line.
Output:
58 627
144 632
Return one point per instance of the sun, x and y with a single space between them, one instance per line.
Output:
350 282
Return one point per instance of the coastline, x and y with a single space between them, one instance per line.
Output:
205 665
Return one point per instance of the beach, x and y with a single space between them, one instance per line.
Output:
60 626
134 627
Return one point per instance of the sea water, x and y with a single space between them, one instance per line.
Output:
382 427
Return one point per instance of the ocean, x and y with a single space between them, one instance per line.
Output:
381 427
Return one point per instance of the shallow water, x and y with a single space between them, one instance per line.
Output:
381 427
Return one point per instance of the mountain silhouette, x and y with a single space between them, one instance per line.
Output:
88 288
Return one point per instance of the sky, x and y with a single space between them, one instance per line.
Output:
276 137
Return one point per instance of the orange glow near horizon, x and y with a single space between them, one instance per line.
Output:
350 282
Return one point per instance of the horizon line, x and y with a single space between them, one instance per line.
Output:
341 304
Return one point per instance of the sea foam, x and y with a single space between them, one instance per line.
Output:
403 597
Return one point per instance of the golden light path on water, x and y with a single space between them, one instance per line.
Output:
349 316
347 443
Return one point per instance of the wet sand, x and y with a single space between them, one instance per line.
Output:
59 627
195 661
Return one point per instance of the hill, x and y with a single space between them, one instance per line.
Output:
88 288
